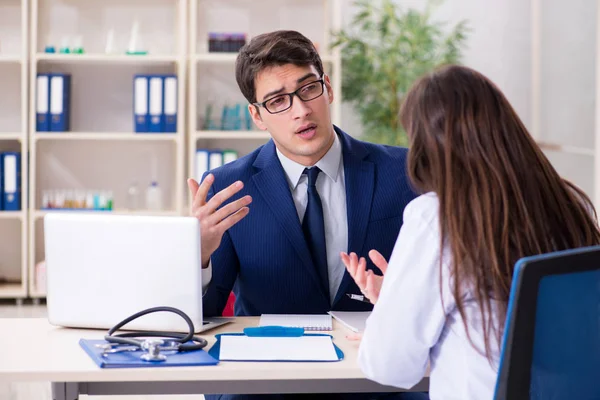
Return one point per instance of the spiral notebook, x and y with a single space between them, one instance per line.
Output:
309 322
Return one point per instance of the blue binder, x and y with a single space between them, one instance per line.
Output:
156 103
42 103
140 103
271 331
60 102
131 359
170 103
11 181
1 184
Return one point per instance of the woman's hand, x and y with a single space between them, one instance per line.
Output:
368 283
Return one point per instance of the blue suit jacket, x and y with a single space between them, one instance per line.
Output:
265 255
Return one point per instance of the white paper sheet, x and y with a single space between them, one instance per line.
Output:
301 348
317 322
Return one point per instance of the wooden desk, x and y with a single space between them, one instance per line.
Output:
34 351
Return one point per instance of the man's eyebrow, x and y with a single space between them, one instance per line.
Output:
305 77
300 80
271 93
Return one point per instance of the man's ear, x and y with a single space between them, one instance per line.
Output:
329 88
255 114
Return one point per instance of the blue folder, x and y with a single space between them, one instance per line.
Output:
141 103
131 359
170 103
156 104
11 180
60 102
271 331
42 105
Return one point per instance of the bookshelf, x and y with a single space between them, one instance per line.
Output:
101 151
107 58
13 137
212 74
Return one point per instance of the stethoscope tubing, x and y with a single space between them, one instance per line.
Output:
128 338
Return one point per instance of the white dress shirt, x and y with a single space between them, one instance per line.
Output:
331 187
409 327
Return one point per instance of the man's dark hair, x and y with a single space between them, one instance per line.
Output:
272 49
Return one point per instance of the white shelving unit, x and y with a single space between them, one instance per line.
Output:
102 151
37 137
212 74
13 137
107 58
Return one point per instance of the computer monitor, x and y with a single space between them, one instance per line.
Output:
102 268
551 345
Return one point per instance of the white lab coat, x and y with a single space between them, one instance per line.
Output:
409 328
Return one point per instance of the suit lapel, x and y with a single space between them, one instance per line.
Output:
360 182
272 185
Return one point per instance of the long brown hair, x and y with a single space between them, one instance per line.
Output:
499 197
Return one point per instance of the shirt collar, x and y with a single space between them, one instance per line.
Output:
329 164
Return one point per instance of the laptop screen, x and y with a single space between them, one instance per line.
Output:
567 321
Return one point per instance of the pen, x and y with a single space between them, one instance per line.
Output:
358 297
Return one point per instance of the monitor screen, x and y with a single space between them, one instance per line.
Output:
566 347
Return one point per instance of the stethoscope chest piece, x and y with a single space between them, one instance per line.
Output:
152 348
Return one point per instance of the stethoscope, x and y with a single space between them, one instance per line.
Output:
179 342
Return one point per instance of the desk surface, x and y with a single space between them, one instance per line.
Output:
34 350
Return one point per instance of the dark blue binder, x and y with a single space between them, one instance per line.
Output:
11 181
42 103
60 102
271 331
170 91
156 105
141 103
1 184
131 359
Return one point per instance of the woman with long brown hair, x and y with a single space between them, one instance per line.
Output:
489 197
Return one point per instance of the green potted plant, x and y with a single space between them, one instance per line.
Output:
383 53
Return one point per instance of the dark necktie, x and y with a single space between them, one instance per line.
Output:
313 227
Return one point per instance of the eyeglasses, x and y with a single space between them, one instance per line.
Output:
282 102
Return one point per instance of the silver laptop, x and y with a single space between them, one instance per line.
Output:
102 268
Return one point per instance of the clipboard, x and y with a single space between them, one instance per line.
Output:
273 332
131 359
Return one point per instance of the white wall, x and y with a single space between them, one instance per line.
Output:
500 46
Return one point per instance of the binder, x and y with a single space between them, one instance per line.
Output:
11 181
132 359
140 103
274 332
170 103
60 102
156 103
1 184
215 159
42 103
201 164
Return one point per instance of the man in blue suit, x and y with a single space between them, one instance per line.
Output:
274 222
